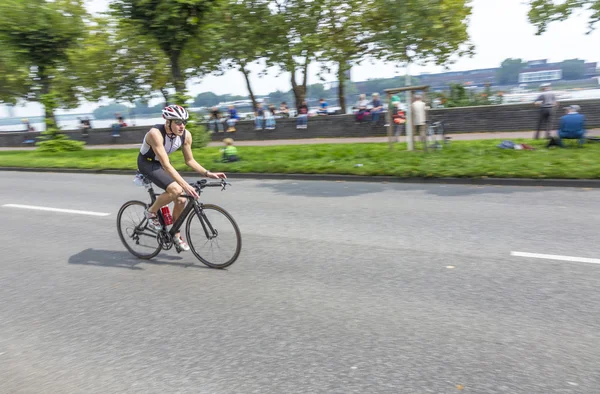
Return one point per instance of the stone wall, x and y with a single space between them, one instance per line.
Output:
513 117
510 117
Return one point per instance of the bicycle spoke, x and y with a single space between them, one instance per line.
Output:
213 237
131 225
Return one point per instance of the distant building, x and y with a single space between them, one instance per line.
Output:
540 76
535 71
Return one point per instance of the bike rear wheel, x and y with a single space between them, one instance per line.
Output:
131 225
213 236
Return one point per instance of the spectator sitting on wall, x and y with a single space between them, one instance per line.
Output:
259 115
84 126
302 117
572 126
28 126
116 127
322 107
230 153
284 110
270 117
232 119
361 107
376 109
215 118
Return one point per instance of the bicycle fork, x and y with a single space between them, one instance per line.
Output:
209 231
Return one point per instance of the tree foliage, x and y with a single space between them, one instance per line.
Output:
55 53
240 39
509 71
39 35
418 31
15 82
397 32
543 12
295 39
573 69
174 25
118 63
348 32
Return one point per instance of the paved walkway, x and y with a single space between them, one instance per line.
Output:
311 141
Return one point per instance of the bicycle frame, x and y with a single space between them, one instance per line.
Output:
190 205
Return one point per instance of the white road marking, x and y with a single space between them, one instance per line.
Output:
36 208
556 257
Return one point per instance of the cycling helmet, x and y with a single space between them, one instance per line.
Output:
175 112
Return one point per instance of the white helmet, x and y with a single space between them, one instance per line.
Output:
175 112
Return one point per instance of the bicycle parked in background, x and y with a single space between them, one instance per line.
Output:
436 135
211 232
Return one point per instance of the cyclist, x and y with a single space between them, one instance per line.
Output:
154 164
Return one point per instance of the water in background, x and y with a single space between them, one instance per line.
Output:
72 123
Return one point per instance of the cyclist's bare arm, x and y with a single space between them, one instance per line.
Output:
156 141
193 164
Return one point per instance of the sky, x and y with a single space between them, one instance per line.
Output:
499 29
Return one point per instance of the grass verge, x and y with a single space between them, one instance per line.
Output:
459 159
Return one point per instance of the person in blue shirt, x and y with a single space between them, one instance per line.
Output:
322 107
232 119
572 125
259 115
377 108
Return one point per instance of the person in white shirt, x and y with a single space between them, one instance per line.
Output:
419 117
547 103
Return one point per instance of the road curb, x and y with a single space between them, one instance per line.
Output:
579 183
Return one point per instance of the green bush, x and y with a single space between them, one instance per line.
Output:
200 137
53 141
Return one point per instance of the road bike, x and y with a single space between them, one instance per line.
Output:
436 135
211 232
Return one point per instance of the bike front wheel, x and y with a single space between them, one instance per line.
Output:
131 225
213 236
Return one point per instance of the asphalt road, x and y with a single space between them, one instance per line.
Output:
340 288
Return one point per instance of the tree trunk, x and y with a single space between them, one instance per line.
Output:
178 81
299 90
165 95
248 85
47 102
341 81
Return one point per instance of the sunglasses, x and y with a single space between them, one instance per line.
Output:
180 122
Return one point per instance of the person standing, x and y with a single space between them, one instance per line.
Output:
547 102
419 117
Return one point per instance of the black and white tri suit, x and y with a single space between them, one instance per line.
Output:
149 164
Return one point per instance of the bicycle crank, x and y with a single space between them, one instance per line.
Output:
165 240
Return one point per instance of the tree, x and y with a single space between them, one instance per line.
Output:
316 90
573 69
279 96
133 67
416 31
206 99
174 25
14 79
509 71
38 34
295 40
241 39
347 36
544 12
